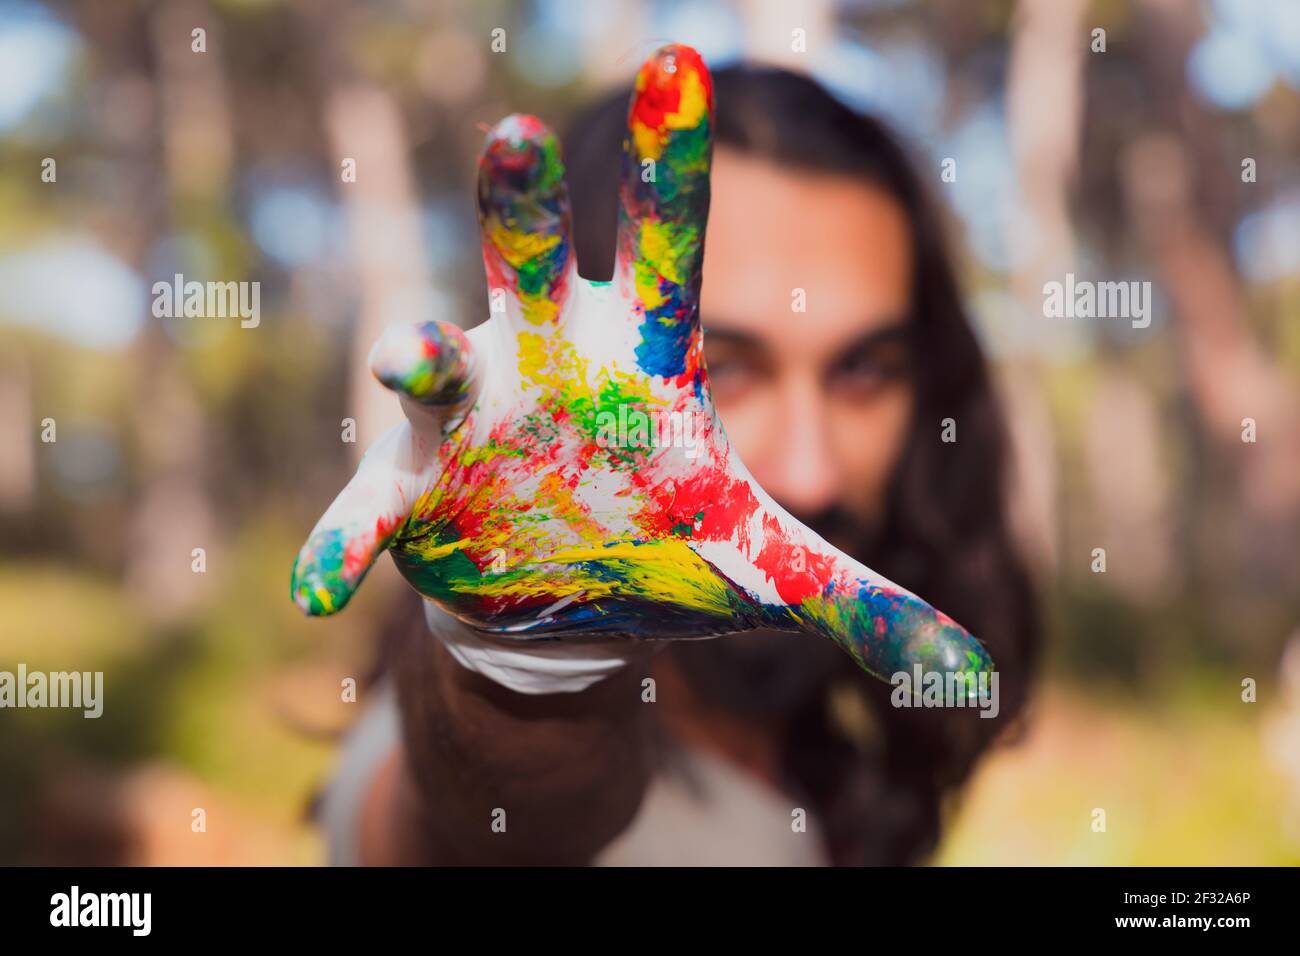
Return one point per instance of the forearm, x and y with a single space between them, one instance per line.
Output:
494 776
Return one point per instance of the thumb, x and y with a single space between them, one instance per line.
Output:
884 627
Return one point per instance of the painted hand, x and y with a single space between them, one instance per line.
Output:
562 472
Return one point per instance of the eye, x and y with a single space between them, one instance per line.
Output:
722 367
733 371
869 369
733 359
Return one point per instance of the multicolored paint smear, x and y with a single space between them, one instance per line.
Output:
510 507
430 362
524 215
665 204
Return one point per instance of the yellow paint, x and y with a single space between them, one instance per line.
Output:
692 110
555 495
479 454
435 552
667 571
539 308
647 286
632 386
518 247
694 105
649 142
657 250
551 362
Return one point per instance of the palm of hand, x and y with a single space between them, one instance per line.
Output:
562 472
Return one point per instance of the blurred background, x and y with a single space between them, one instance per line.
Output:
176 434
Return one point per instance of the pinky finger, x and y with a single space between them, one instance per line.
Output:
355 529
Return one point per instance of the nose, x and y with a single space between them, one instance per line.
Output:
799 468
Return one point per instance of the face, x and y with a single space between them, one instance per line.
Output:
817 402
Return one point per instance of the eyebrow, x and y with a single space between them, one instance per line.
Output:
896 330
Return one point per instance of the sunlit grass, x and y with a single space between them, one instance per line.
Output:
1182 777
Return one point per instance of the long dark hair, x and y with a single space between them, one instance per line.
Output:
878 794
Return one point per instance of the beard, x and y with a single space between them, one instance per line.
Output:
769 673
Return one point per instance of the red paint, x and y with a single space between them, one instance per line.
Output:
661 91
495 266
725 502
694 363
361 548
779 560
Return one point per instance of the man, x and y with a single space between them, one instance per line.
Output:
836 346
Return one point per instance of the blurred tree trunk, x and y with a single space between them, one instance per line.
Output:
1173 182
19 434
364 126
1044 104
174 515
171 514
